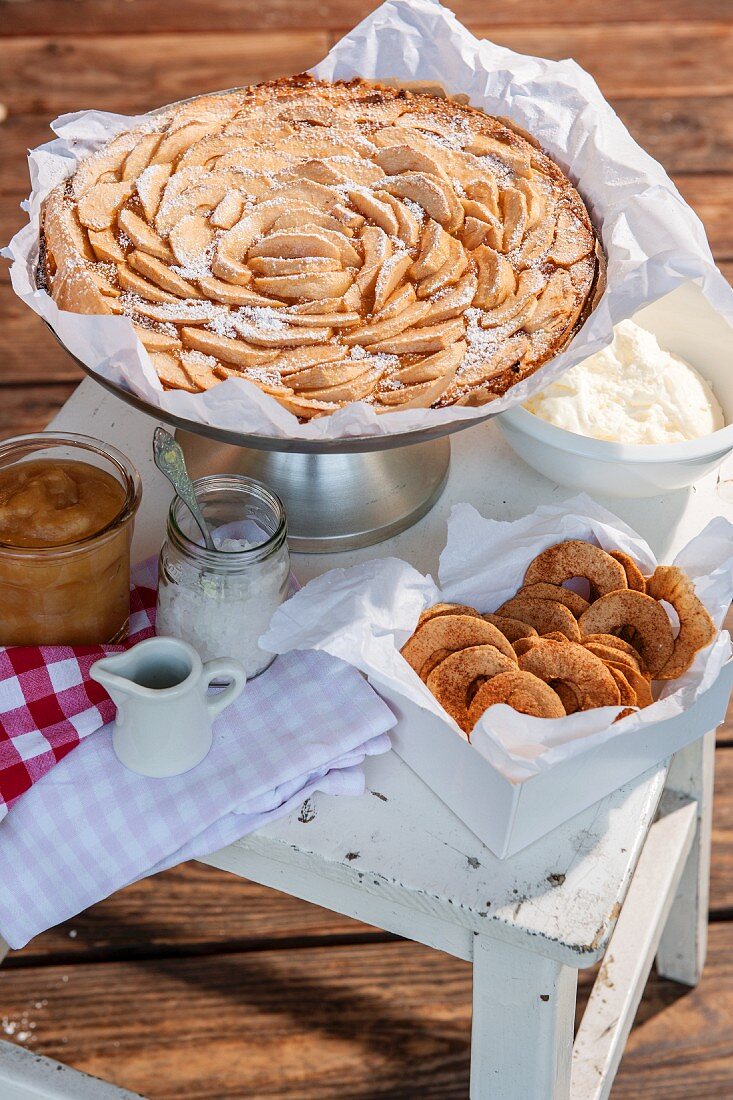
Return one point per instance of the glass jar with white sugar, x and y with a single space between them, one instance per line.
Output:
222 601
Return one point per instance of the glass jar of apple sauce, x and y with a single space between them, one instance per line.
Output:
67 509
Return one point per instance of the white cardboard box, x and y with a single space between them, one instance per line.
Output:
508 816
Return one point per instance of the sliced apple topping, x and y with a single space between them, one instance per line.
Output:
421 340
154 340
225 348
108 161
435 195
143 236
99 206
434 251
395 159
573 240
390 276
150 185
391 326
106 247
381 213
496 278
139 156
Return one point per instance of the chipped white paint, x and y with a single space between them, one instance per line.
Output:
406 848
25 1075
609 1014
399 859
682 949
522 1005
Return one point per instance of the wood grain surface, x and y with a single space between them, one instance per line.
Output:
363 1021
199 985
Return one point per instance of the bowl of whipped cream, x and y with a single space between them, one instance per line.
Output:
650 413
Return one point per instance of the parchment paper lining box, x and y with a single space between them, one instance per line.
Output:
520 776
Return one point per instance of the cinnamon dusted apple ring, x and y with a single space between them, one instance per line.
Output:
609 655
641 685
512 629
586 675
543 591
520 690
567 696
543 615
627 693
450 633
697 629
446 609
451 681
614 642
641 613
634 577
614 659
523 644
575 558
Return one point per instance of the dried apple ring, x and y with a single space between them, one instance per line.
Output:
697 629
586 675
445 609
512 629
544 591
566 695
641 686
634 577
609 655
523 644
522 691
452 632
451 680
627 693
642 614
615 643
576 558
543 615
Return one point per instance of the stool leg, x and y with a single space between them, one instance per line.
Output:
522 1033
681 954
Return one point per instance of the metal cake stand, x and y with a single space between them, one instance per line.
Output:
338 494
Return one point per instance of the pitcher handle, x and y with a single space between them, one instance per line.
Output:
223 669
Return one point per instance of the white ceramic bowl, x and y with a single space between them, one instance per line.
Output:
685 324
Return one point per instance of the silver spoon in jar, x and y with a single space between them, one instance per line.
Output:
169 459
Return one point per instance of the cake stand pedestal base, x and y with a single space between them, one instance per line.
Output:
335 501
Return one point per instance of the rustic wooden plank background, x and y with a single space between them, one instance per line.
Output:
200 985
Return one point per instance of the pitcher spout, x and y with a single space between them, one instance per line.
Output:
116 675
157 668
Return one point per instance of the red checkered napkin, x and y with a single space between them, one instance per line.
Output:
48 702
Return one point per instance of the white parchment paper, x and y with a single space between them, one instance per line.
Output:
653 240
365 615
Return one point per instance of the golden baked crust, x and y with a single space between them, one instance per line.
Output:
330 243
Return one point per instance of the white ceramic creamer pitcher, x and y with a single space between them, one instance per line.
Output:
164 714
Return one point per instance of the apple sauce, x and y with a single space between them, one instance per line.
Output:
65 534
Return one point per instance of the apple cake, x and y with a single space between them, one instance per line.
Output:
330 243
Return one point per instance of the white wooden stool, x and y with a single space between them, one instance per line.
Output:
627 879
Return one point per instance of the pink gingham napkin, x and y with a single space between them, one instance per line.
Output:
48 702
